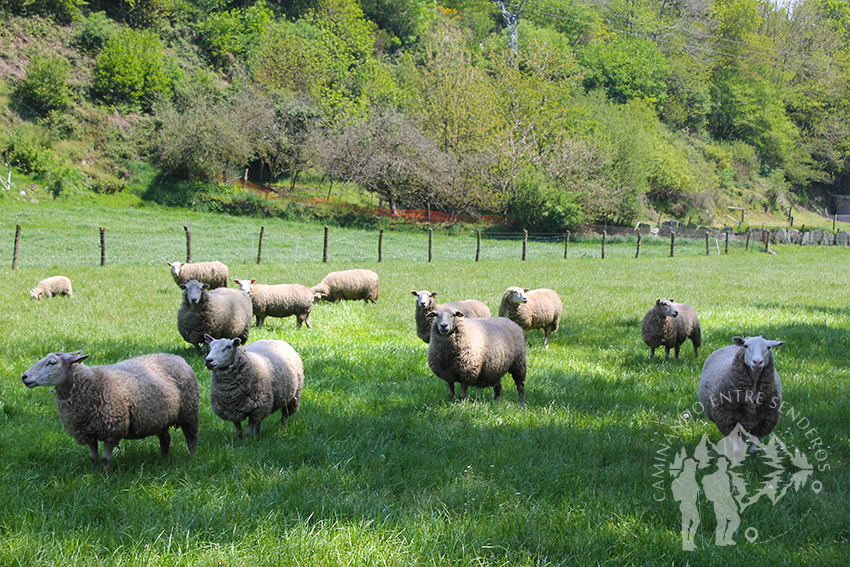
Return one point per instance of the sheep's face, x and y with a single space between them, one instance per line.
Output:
245 285
664 308
425 299
444 321
175 268
36 294
193 291
221 353
52 370
517 294
757 352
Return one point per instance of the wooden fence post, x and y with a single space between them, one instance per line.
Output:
188 244
478 245
430 244
766 234
747 248
260 245
672 242
566 244
17 247
604 238
325 247
380 245
524 244
637 251
706 244
102 246
726 249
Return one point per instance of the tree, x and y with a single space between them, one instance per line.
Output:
131 69
45 85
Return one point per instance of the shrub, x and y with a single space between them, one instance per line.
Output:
28 153
93 33
131 69
45 85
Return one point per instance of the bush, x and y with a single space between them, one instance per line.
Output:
45 86
27 152
131 69
93 33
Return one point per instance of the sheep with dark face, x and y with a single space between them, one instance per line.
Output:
533 309
739 385
426 303
670 324
221 313
476 352
132 399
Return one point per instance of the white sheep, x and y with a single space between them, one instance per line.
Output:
476 352
670 324
533 309
739 385
348 284
213 274
222 313
281 300
254 381
425 303
48 287
131 399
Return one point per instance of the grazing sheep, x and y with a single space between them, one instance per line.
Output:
213 274
739 385
670 324
131 399
476 352
48 287
533 309
221 313
349 284
425 304
254 381
282 300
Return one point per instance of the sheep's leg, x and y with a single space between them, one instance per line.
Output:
754 442
666 353
520 390
94 457
260 321
238 426
254 427
546 332
676 350
107 454
463 388
451 388
164 443
307 321
497 391
651 353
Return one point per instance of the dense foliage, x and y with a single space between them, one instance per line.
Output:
613 111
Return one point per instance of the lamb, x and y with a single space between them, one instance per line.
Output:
221 313
425 304
212 273
739 385
670 324
48 287
253 381
476 352
282 300
533 309
349 284
131 399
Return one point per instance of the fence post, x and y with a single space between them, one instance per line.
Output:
566 244
637 251
726 250
766 234
478 245
706 244
380 245
430 244
260 246
17 247
524 244
604 238
325 247
747 247
102 246
672 242
188 243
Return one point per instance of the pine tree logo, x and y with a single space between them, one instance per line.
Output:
709 472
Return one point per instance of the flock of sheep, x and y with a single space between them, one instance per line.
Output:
148 395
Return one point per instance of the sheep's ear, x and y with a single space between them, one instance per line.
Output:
253 280
208 339
413 292
775 343
433 294
525 290
237 341
738 341
75 357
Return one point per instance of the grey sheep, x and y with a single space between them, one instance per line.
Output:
669 324
425 303
221 313
476 352
254 381
281 300
131 399
533 309
214 274
348 284
739 385
48 287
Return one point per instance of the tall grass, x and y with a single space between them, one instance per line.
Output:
378 467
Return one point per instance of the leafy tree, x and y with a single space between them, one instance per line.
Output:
228 36
286 58
132 69
626 68
405 20
45 85
63 11
93 32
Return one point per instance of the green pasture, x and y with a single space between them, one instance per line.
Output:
378 467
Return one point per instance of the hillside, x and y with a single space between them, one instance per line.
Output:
591 120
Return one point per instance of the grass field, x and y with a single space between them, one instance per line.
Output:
378 467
